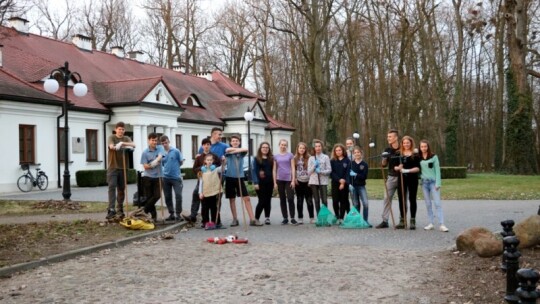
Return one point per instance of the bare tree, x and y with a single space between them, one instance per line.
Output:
10 8
233 38
109 23
58 24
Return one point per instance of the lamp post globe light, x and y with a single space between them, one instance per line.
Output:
248 116
356 136
51 86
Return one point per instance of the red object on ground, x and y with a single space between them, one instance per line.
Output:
221 241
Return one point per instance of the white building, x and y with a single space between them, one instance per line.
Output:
145 97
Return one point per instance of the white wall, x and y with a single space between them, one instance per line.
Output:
138 120
43 117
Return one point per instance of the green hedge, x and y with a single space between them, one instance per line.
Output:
94 178
187 173
446 172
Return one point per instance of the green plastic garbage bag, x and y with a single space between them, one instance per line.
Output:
325 217
354 219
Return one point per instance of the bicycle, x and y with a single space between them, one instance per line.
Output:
27 181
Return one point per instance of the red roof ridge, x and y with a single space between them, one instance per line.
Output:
227 82
159 78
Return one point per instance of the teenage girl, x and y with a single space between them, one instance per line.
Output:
340 164
284 180
319 169
431 184
302 189
407 181
357 180
263 180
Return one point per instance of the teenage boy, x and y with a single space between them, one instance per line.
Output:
172 178
390 159
234 181
151 161
117 144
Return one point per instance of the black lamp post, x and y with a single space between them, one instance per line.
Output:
51 85
248 116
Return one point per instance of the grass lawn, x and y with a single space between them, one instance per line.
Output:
483 186
476 186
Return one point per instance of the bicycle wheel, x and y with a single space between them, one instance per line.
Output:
42 182
25 183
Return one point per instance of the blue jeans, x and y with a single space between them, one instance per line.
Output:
358 194
430 191
168 185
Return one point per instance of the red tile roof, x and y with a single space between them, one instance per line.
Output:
12 86
231 88
276 124
112 80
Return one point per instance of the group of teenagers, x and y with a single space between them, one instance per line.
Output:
220 168
306 176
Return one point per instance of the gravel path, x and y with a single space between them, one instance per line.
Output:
281 263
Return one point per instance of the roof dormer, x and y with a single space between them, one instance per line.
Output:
192 100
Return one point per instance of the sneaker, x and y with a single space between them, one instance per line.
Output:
255 223
179 218
235 223
120 213
219 226
294 222
401 224
443 228
383 224
186 218
284 222
300 221
210 226
429 227
171 218
311 220
412 226
267 221
110 214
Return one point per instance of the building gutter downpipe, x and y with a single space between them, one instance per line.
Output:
105 141
58 147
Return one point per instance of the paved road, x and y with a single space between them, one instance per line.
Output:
459 215
281 264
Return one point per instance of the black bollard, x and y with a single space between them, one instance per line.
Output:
512 265
508 230
527 293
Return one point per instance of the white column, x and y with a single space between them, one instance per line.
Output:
137 139
244 143
166 131
172 136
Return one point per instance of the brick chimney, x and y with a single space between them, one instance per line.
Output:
82 42
20 24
